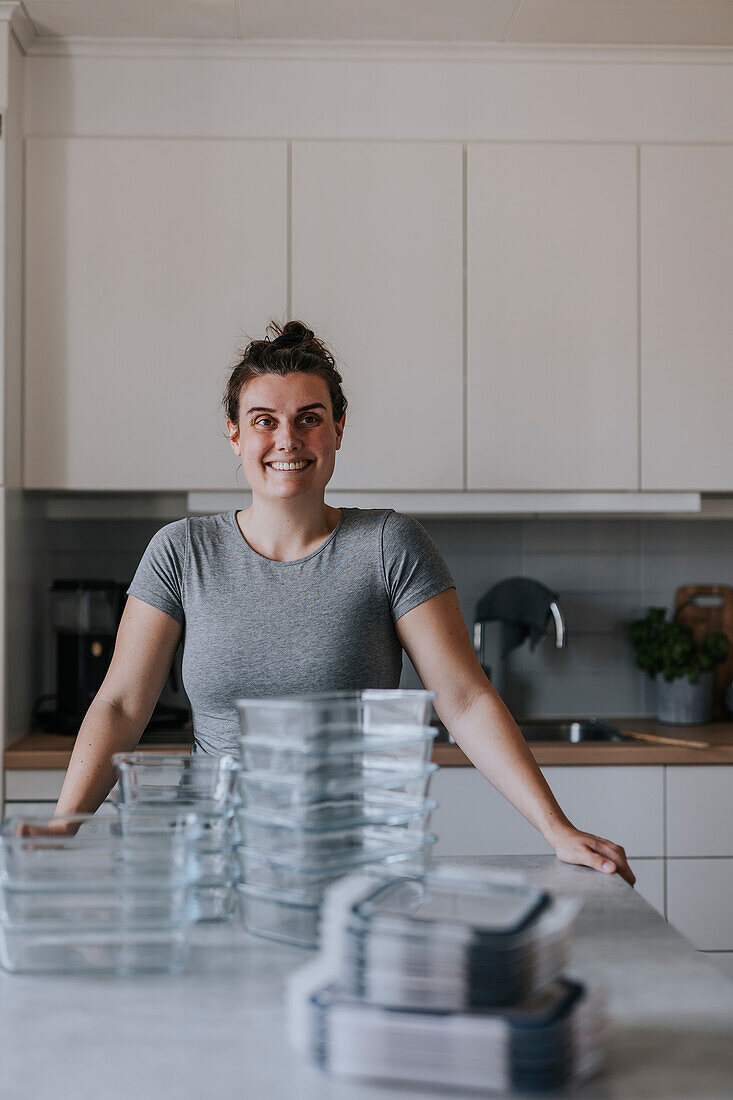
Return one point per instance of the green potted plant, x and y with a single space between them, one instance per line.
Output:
681 669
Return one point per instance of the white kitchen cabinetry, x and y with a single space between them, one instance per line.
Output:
552 317
700 811
378 273
700 851
687 322
700 901
28 809
624 804
33 784
147 261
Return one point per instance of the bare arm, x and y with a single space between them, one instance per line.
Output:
435 637
146 643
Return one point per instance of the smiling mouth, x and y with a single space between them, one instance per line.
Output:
290 467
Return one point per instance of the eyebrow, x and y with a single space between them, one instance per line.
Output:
304 408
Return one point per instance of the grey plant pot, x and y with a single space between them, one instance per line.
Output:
680 703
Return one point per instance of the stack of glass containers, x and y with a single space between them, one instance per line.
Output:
154 788
92 899
330 783
455 979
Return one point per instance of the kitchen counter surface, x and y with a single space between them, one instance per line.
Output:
51 750
218 1031
715 739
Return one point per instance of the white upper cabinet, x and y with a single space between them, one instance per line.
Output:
552 317
377 273
687 319
147 261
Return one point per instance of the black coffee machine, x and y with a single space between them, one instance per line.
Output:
85 615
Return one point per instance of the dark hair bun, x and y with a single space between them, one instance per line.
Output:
296 329
287 340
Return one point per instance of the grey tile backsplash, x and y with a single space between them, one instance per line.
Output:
606 572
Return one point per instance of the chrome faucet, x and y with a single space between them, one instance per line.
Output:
560 635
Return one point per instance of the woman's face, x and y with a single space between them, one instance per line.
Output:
286 436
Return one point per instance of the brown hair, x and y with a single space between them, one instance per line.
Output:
295 348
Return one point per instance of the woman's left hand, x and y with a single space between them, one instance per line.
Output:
589 850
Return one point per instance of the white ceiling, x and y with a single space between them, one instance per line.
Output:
571 22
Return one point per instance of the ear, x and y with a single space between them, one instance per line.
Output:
339 425
233 431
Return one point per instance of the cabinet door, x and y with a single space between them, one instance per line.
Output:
623 804
146 263
699 811
552 317
700 901
378 272
31 785
687 321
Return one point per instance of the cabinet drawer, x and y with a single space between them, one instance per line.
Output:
33 784
700 901
474 820
700 811
624 804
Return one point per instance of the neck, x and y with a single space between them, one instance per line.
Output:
285 530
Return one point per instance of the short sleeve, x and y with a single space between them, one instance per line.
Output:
414 569
158 579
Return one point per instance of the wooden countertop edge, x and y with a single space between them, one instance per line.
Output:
53 751
450 756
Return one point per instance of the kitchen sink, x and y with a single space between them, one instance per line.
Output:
571 733
544 731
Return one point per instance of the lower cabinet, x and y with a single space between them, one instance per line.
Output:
687 874
33 784
28 809
624 804
699 810
700 901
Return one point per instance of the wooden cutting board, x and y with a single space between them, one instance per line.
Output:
704 608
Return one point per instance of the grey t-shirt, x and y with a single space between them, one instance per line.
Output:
254 627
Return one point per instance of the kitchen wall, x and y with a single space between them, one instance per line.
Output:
606 572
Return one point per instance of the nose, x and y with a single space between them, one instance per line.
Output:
287 438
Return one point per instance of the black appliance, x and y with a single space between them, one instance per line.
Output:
85 615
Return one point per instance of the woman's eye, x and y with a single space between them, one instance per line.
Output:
314 419
262 420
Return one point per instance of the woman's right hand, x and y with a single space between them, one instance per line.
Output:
54 827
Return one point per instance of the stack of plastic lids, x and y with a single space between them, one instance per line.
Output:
92 899
155 788
330 783
455 980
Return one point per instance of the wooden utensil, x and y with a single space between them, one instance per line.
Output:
658 739
704 608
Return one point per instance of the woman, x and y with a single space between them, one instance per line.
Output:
291 596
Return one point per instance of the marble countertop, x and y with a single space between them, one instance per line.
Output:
218 1031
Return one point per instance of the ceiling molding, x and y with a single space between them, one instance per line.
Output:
299 50
21 25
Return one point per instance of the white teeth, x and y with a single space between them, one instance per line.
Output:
288 465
